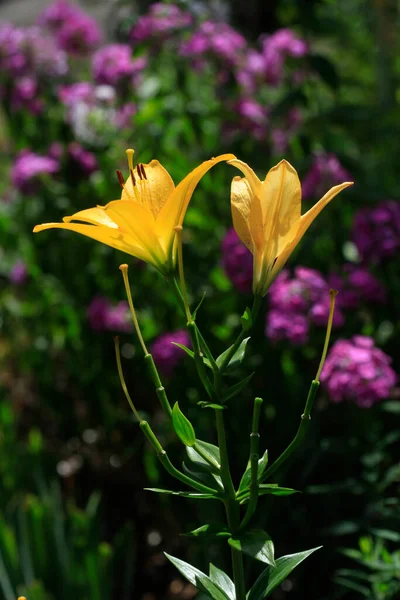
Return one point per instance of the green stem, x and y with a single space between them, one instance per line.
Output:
301 432
254 455
160 389
231 506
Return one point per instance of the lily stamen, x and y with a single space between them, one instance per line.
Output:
121 179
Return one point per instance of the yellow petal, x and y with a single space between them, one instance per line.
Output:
105 235
304 224
281 206
174 210
248 173
151 191
95 216
138 222
240 204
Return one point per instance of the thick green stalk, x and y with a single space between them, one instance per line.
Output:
231 506
300 435
254 455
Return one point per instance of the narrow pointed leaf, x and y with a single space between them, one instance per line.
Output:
198 579
205 404
190 353
223 581
234 390
256 544
202 476
212 531
194 313
195 495
272 489
245 481
237 358
183 427
273 576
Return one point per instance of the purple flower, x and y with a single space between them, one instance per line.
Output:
79 35
219 40
103 316
237 262
253 117
29 167
58 13
287 326
276 48
326 171
166 355
160 22
356 285
124 115
19 273
83 91
97 313
358 371
113 65
86 160
29 51
376 231
118 317
24 95
296 303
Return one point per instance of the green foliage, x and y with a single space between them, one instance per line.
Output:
183 427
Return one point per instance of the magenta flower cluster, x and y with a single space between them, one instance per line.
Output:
105 316
296 303
358 371
218 40
114 65
86 161
376 232
29 168
159 23
325 172
166 355
74 30
356 285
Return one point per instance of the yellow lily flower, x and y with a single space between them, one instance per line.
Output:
267 217
142 222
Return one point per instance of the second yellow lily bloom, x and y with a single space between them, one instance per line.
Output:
267 217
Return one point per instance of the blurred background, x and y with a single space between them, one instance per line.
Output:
313 81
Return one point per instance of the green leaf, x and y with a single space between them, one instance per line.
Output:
246 319
245 481
209 457
214 530
237 358
198 579
194 313
234 390
269 488
273 576
205 404
205 477
256 544
223 581
184 348
196 495
183 427
190 353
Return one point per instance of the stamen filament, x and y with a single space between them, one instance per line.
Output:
124 270
333 294
122 379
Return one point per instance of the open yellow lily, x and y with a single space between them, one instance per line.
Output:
142 222
267 217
